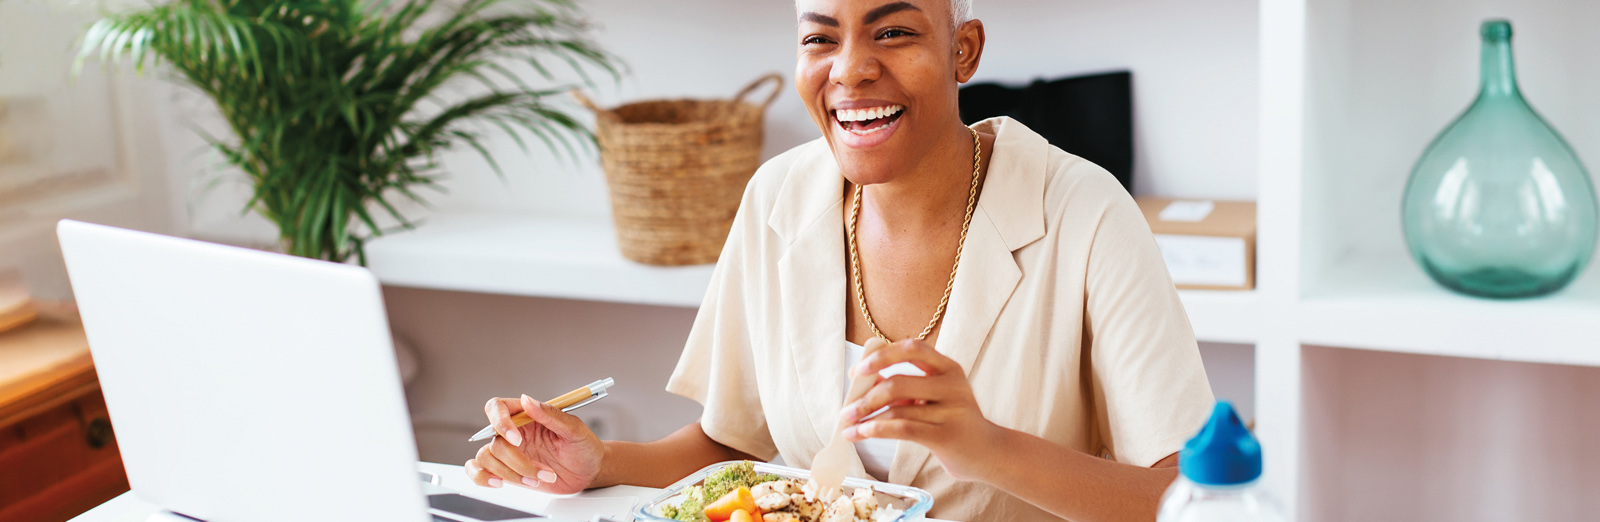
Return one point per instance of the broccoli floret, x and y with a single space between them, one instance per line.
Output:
695 498
730 478
692 509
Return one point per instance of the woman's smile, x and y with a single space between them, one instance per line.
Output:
864 124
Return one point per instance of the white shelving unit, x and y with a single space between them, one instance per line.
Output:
1348 93
568 258
577 258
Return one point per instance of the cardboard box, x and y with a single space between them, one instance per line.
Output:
1208 245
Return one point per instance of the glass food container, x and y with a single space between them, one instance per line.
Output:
914 503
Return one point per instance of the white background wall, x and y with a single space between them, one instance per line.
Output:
1194 90
36 55
1414 437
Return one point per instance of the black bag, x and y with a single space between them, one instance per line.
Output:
1090 116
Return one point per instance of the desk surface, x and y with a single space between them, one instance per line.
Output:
129 508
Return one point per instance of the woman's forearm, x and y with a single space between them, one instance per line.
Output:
1074 485
658 464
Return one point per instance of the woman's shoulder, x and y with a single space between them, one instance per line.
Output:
1075 183
1067 181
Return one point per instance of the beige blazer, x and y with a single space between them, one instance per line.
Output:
1062 315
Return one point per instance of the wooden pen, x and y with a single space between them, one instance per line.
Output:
569 401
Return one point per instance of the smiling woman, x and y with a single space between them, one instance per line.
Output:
1039 365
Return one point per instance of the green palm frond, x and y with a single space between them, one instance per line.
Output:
336 106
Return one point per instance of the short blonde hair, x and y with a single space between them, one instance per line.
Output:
960 12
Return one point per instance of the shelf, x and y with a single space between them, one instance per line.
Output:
577 258
1223 316
568 258
1390 305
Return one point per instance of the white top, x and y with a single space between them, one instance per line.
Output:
876 454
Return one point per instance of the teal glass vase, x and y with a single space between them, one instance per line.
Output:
1499 205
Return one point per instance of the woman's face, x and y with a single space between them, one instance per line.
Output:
879 77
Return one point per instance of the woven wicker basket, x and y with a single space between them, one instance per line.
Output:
676 169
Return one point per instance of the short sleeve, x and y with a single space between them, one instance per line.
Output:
1148 380
717 368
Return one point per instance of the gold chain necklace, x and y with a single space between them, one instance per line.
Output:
855 259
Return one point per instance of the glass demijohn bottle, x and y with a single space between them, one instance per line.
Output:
1499 205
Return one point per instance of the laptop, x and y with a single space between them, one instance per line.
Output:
248 386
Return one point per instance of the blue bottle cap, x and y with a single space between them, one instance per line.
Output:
1224 453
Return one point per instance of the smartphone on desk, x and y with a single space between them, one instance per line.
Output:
455 507
449 506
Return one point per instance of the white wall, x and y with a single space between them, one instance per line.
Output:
126 130
1231 368
1194 82
1415 437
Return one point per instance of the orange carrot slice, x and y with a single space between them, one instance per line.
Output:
739 499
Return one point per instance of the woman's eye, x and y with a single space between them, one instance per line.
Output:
815 40
893 33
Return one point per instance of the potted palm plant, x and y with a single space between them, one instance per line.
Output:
338 107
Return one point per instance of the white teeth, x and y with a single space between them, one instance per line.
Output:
860 132
874 113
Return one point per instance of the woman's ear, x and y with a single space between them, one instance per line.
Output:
969 49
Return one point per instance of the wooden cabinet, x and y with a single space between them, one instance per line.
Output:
58 455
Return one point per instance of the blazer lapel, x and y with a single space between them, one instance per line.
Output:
811 275
1010 215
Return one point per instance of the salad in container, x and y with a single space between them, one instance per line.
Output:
744 491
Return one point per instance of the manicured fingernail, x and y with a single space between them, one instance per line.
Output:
526 398
849 433
495 482
514 437
547 476
530 481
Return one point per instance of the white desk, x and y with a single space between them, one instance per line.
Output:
129 508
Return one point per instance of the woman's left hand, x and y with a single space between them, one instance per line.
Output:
937 410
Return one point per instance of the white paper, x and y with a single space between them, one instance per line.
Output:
1204 260
1187 211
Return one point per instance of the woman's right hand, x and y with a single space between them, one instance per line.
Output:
556 453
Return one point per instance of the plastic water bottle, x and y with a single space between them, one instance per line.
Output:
1219 469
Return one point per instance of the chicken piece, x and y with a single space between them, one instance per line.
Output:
865 503
783 516
785 486
807 508
772 501
841 510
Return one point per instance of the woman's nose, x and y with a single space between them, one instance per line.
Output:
854 65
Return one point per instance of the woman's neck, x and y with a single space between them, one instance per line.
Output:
932 193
